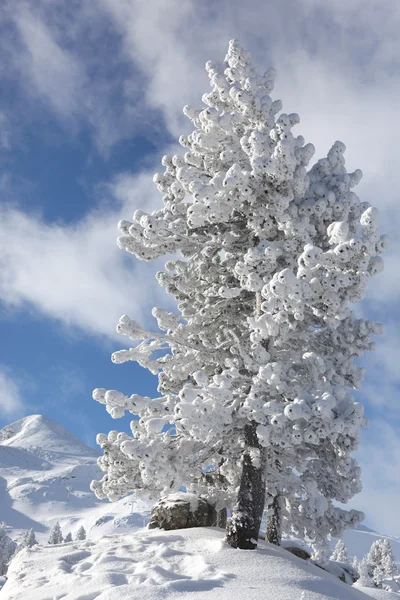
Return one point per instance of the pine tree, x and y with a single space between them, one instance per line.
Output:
56 535
81 534
254 370
365 579
68 538
7 549
340 553
29 539
389 565
381 562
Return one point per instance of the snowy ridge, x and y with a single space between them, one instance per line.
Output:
189 564
43 434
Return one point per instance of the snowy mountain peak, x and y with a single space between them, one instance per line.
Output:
45 475
39 432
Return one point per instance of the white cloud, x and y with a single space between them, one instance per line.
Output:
53 71
64 61
76 273
11 403
379 457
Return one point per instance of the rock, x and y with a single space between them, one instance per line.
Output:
342 571
351 572
300 552
181 511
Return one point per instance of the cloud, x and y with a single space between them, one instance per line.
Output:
64 65
11 403
379 457
53 71
75 273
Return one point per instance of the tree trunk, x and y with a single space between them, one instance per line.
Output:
274 525
244 525
221 518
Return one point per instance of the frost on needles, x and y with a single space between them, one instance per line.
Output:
256 366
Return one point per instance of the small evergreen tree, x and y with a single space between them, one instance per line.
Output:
81 534
68 538
56 535
374 562
7 549
29 540
381 562
389 565
340 553
364 572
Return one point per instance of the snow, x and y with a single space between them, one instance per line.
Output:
378 594
358 541
45 474
194 564
45 436
193 499
120 559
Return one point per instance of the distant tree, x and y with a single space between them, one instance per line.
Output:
29 540
364 572
68 538
256 369
340 553
56 535
389 565
374 562
7 549
81 534
381 562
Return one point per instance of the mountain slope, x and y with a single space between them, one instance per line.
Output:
358 542
45 437
45 474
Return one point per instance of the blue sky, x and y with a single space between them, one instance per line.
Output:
91 98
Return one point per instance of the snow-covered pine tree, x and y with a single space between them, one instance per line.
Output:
255 368
81 534
29 540
381 562
340 553
68 538
7 549
388 561
365 579
374 561
56 535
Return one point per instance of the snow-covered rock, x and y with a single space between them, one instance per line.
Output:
181 510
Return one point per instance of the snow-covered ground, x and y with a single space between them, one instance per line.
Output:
189 564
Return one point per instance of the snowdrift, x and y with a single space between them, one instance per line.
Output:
189 564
